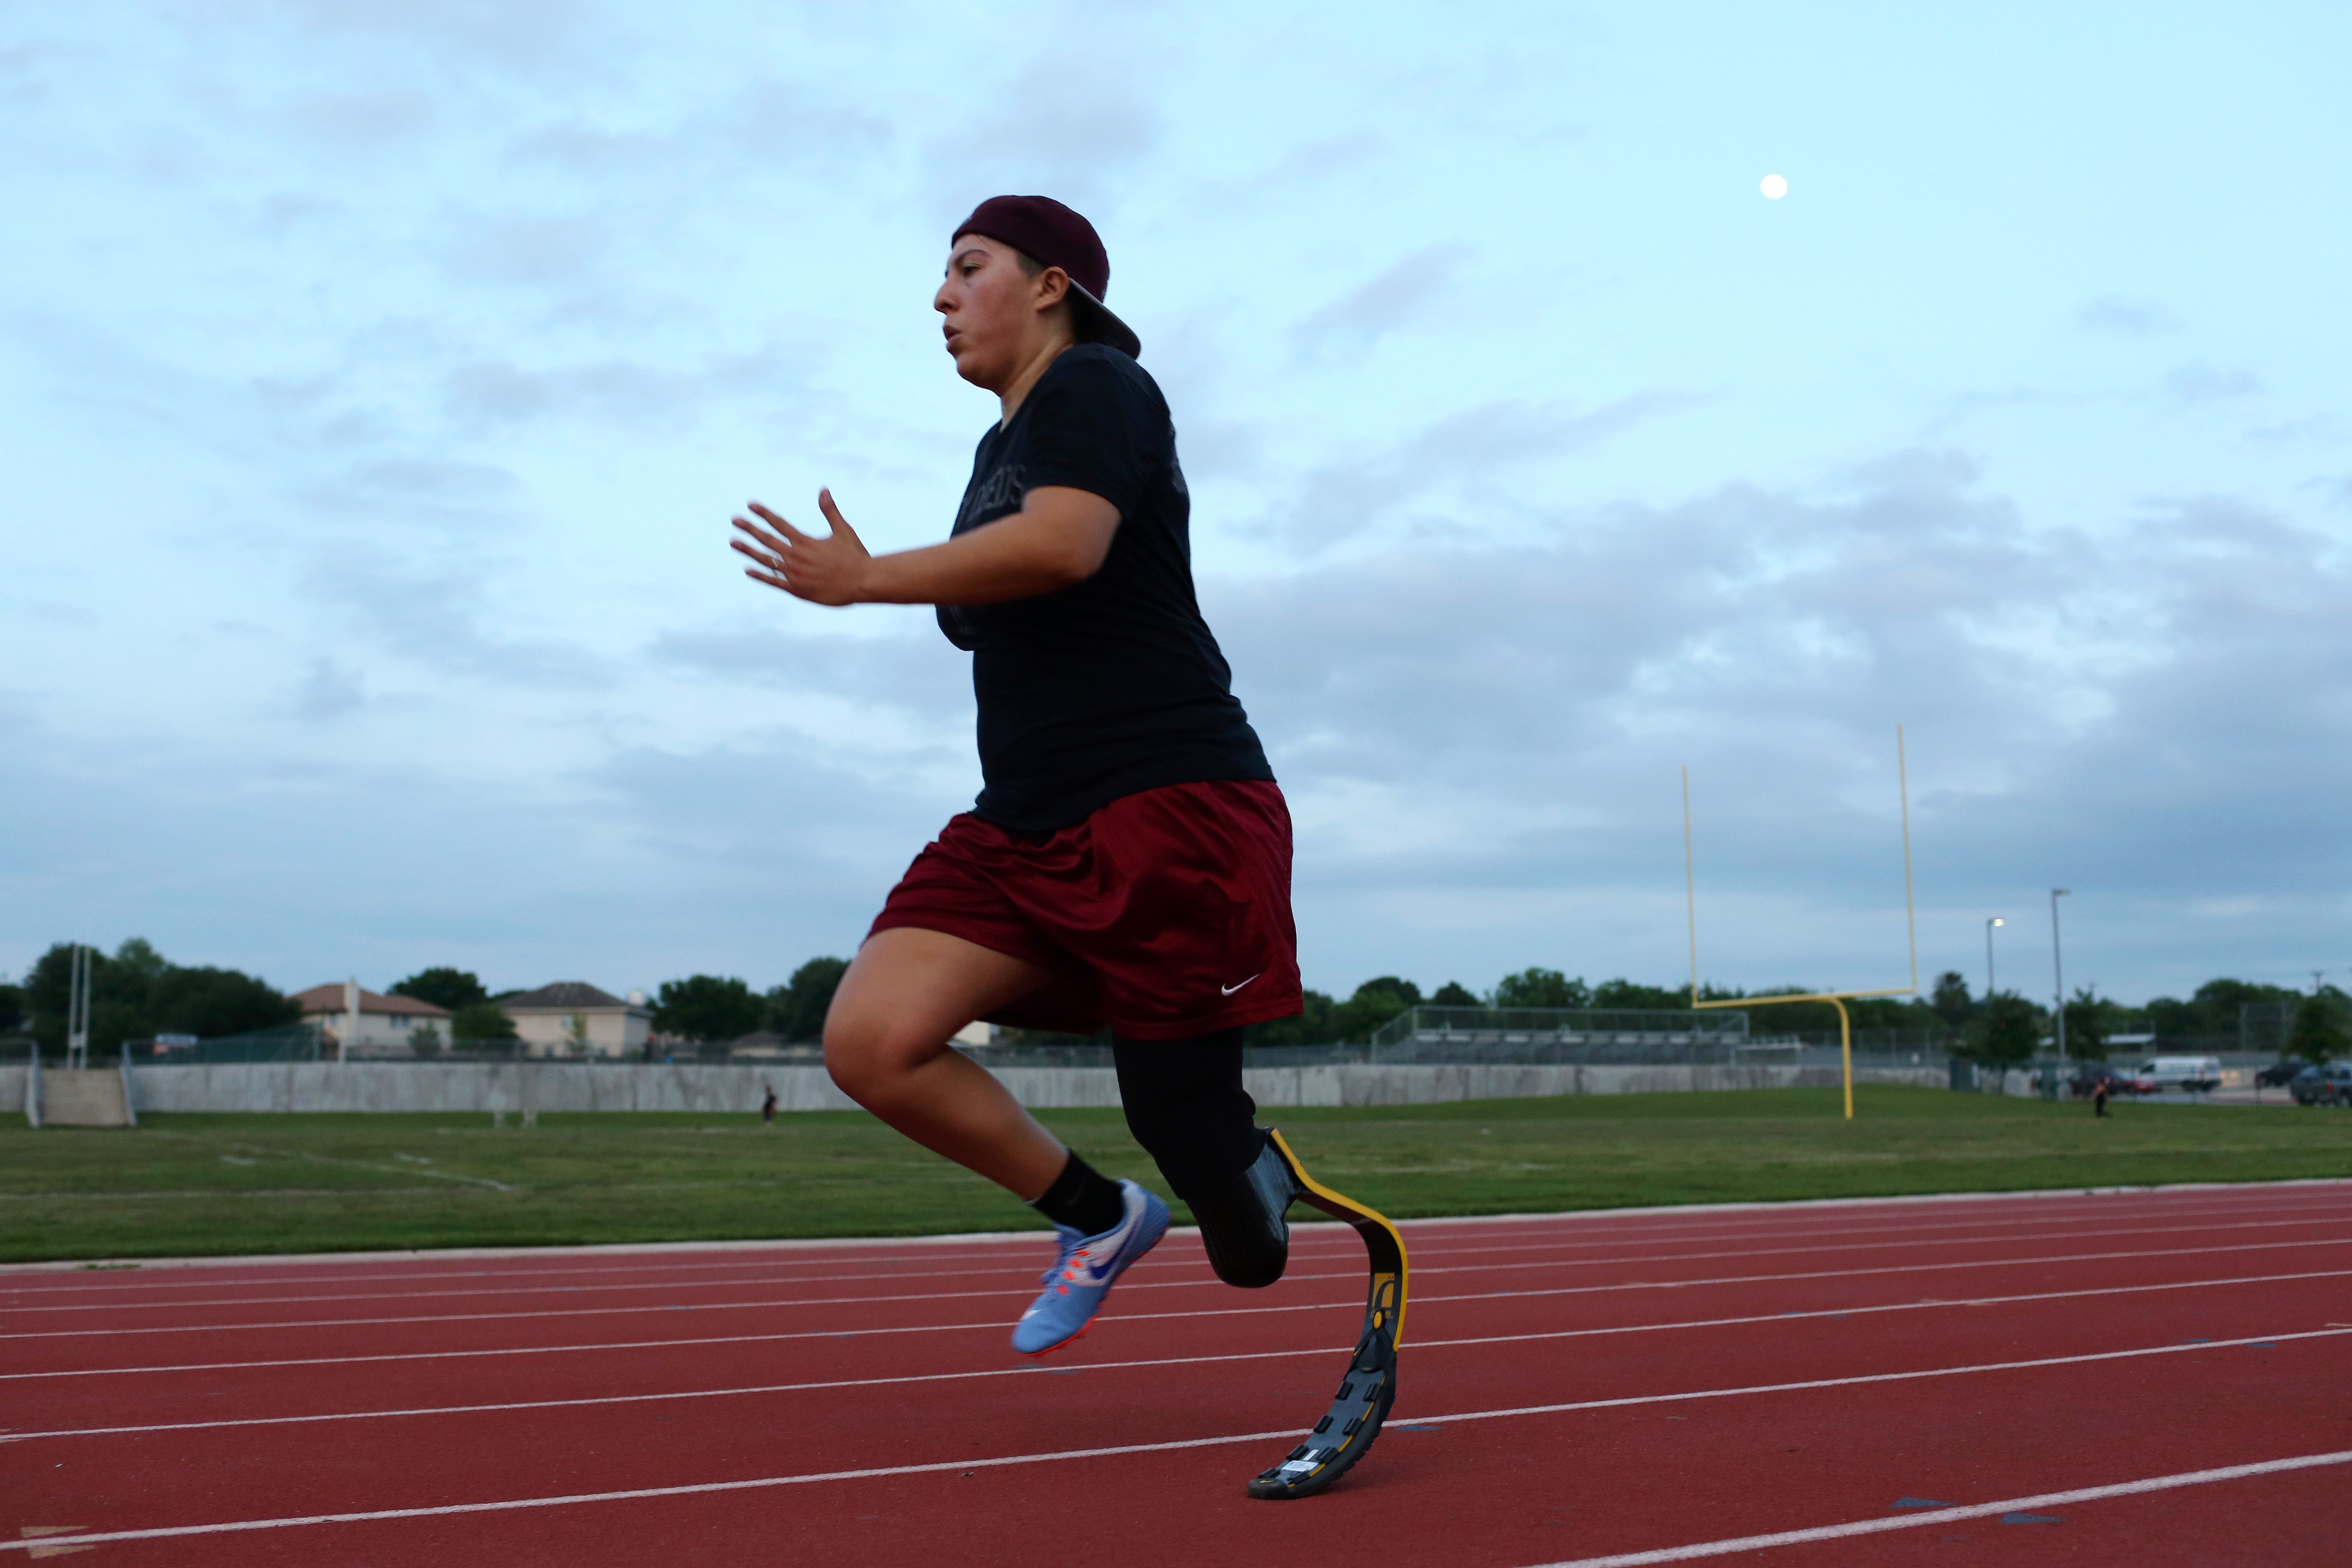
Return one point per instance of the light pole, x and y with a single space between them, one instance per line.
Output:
2058 967
78 995
1991 921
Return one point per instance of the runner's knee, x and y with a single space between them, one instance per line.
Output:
873 1060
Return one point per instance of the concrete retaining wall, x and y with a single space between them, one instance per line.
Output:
515 1087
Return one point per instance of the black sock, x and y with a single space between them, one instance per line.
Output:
1082 1198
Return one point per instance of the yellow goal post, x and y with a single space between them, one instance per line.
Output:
1837 999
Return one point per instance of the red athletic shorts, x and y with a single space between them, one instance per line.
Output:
1165 914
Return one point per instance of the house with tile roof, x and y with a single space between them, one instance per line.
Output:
573 1018
356 1022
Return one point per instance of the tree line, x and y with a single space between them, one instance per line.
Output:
2004 1026
138 993
700 1009
710 1009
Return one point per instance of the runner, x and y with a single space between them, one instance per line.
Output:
1127 864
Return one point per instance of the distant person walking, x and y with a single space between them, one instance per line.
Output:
2099 1098
1127 865
768 1106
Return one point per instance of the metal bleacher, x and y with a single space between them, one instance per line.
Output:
1563 1036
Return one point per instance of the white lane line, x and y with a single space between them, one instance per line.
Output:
2250 1194
1305 1241
997 1325
1419 1344
706 1488
522 1275
1022 1289
526 1285
1951 1515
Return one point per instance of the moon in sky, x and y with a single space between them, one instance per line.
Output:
1774 186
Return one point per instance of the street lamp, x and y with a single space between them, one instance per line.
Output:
1991 921
2058 967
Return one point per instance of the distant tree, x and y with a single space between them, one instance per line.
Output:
1625 994
136 962
796 1009
2320 1032
1454 994
1375 1003
424 1040
2008 1029
2090 1019
1951 1000
2217 1002
13 1012
137 992
443 987
48 983
1309 1026
706 1008
216 1002
2171 1018
1538 987
483 1023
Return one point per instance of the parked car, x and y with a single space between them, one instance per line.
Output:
2279 1072
2085 1082
2197 1075
2328 1085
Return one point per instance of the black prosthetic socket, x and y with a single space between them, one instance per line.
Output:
1082 1198
1186 1106
1240 1221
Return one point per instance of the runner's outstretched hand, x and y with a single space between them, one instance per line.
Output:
824 571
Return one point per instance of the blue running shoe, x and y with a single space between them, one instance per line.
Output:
1085 1270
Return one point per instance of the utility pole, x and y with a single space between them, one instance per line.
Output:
2058 967
1991 921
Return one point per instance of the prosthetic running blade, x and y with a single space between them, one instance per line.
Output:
1357 1411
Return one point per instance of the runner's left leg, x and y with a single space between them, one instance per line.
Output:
886 1044
906 993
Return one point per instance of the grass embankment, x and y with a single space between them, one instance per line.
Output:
189 1184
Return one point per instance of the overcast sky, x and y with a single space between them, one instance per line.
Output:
377 378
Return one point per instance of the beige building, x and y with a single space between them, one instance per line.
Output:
359 1023
573 1018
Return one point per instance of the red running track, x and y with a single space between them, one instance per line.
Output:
2149 1378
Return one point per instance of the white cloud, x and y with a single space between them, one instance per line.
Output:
1385 301
2127 317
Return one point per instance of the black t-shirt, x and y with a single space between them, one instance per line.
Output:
1114 685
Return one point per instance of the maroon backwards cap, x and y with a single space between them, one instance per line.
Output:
1049 233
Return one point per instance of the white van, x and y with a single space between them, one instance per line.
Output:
2198 1075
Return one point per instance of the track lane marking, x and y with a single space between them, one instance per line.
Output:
100 1538
1023 1288
1351 1302
1951 1515
2153 1197
527 1277
1421 1344
1022 1267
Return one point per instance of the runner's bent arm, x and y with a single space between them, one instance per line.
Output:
1058 539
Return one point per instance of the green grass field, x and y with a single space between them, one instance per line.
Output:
184 1185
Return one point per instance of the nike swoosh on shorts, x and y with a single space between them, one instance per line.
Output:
1229 990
